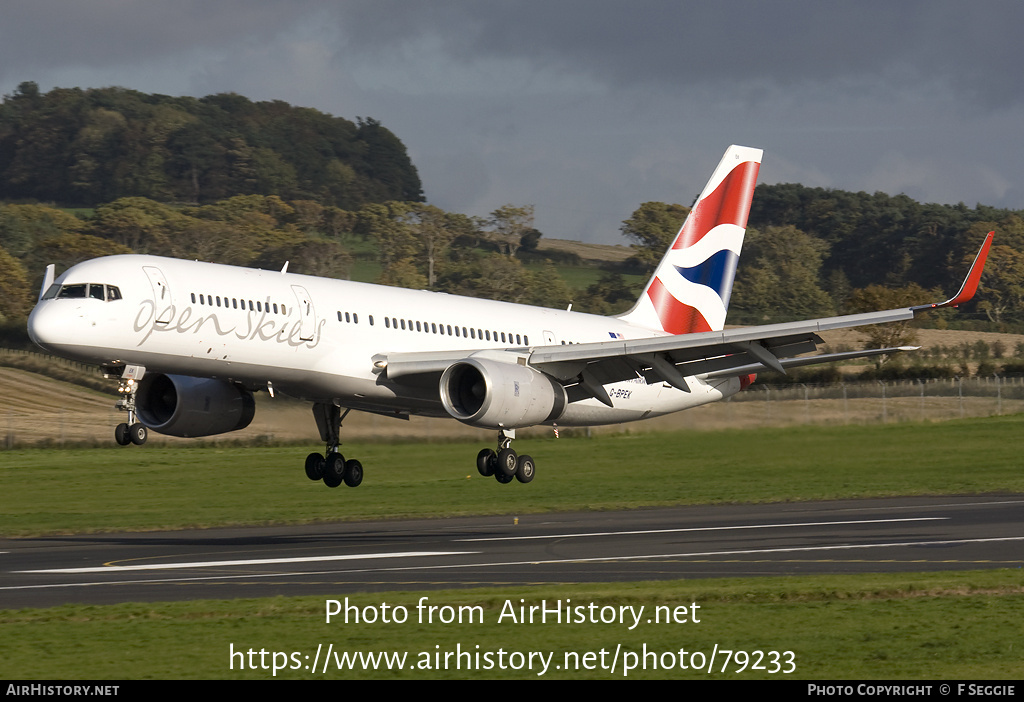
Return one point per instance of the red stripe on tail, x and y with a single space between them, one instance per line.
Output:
676 317
729 203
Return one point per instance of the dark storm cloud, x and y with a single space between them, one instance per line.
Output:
586 108
47 34
970 48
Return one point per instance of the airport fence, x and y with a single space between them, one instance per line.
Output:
873 401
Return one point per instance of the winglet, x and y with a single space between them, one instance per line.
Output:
970 285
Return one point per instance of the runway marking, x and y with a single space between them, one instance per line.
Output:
509 563
659 556
880 508
691 529
254 561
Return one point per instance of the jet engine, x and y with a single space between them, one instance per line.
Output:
493 394
179 405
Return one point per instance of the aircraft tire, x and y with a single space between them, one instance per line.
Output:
334 470
121 435
502 478
485 461
315 466
353 473
507 462
138 434
525 469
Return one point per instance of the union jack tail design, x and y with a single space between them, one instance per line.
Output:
690 289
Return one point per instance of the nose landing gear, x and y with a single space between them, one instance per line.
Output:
132 431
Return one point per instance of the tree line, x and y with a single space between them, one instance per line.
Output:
412 243
85 147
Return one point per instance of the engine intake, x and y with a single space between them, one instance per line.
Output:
179 405
492 394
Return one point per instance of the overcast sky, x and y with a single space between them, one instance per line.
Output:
587 108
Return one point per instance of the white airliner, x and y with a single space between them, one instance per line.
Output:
190 342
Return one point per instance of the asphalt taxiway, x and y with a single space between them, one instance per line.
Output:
849 536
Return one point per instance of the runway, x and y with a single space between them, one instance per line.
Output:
849 536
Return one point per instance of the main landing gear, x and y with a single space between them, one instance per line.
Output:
332 467
504 464
130 432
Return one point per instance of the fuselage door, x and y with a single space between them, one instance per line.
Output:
163 307
307 315
549 338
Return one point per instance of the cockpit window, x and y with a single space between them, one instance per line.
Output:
73 291
97 291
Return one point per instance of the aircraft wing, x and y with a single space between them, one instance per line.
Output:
673 358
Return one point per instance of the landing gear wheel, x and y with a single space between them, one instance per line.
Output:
525 469
315 466
507 462
121 435
334 470
485 462
353 473
502 478
138 434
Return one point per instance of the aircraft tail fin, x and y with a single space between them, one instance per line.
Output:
690 289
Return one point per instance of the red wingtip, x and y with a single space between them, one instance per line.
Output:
970 285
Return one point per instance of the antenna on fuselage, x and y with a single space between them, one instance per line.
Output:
284 268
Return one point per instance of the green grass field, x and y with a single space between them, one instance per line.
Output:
925 626
946 626
104 489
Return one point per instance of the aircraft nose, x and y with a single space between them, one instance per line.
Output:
46 327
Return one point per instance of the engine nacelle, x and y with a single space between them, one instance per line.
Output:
179 405
497 395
